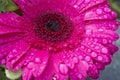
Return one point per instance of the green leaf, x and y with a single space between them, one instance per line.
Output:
7 5
13 75
2 74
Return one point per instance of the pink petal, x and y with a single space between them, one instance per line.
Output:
69 58
100 13
35 63
26 74
112 48
13 21
80 71
33 5
93 72
100 35
96 51
52 70
5 50
100 66
83 5
11 37
107 24
17 55
7 30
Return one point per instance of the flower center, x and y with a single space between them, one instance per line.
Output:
53 27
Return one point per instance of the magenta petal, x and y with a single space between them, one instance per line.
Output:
5 49
69 58
26 74
35 64
103 25
93 72
13 21
7 30
83 5
80 71
17 55
31 5
96 51
100 66
112 48
37 61
100 13
9 38
52 71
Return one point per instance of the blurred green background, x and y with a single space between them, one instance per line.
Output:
112 71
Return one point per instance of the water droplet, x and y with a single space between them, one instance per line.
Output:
13 61
14 51
105 41
75 6
30 65
97 47
16 68
33 69
99 11
10 56
32 54
87 1
89 50
104 50
44 62
94 54
100 58
87 58
75 60
55 77
80 76
82 47
37 60
63 69
80 57
107 9
88 31
105 16
29 57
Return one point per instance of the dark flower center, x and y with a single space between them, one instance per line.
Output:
53 27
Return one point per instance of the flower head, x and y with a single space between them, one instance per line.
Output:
57 39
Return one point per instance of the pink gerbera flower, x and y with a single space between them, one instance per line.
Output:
57 39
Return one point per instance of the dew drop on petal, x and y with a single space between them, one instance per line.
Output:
75 60
93 54
80 57
87 1
100 58
87 58
37 60
63 69
99 11
13 61
80 76
30 65
104 50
